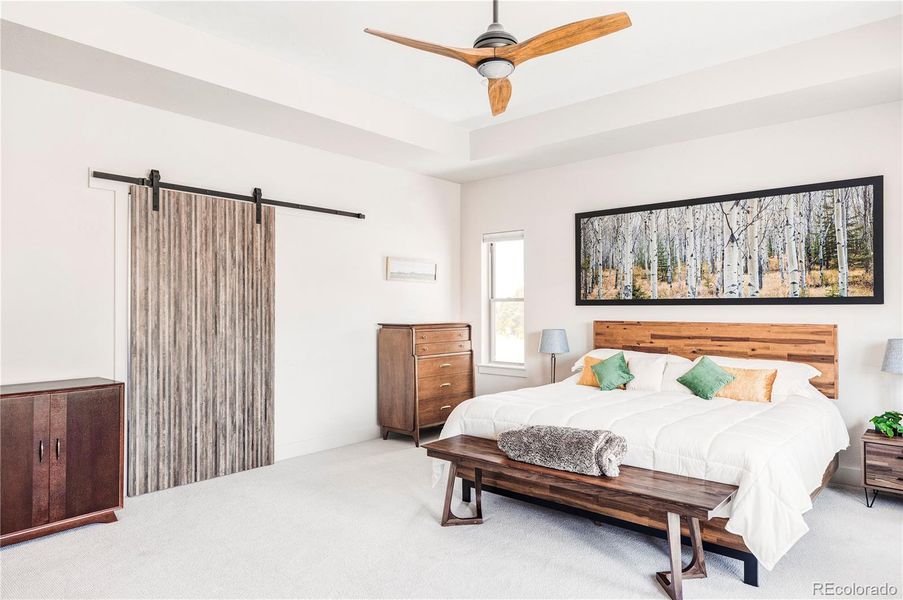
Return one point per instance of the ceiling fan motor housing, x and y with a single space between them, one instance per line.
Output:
494 37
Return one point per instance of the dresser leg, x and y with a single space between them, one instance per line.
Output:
874 495
416 435
385 433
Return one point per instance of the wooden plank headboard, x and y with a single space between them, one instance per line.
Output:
815 345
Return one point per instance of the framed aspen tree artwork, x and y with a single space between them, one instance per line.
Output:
807 244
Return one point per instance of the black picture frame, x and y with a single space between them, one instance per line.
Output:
877 296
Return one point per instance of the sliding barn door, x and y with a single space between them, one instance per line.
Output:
201 355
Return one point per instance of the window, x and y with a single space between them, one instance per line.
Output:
505 261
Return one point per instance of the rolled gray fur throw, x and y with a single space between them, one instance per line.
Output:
586 451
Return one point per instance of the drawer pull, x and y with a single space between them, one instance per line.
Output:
447 406
57 448
41 451
442 385
443 365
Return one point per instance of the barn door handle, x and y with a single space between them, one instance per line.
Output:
41 451
57 448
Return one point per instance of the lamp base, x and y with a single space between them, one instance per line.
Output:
553 368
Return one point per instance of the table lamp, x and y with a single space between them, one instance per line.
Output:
554 341
893 356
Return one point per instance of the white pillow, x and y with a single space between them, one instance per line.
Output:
793 377
672 372
647 371
603 353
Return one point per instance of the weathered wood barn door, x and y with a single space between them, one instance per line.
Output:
201 347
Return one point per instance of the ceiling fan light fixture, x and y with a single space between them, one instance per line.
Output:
495 68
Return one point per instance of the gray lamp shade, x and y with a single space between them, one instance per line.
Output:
554 341
893 356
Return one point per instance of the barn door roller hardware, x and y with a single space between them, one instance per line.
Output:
153 181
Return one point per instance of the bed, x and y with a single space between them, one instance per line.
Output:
780 454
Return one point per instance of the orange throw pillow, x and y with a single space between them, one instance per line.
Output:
753 385
587 377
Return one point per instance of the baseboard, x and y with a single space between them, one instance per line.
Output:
325 442
847 476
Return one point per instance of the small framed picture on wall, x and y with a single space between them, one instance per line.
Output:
410 269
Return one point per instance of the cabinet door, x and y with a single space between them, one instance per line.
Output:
24 462
85 473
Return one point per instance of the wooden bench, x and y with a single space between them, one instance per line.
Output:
675 496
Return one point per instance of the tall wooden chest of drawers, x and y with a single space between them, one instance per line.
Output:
425 371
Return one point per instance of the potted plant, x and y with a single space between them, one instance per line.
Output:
888 423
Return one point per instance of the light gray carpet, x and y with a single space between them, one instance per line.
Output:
362 521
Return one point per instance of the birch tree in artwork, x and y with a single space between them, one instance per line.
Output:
731 250
652 253
676 236
690 252
752 247
627 258
840 232
793 263
802 235
669 276
602 249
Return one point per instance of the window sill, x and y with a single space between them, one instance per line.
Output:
504 370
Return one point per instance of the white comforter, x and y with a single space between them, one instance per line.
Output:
775 452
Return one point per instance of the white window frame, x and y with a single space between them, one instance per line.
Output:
494 366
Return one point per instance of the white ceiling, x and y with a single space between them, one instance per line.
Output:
667 39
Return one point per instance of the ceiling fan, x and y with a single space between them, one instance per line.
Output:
496 53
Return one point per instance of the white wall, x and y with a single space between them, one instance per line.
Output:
65 247
543 202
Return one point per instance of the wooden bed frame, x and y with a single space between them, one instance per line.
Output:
811 344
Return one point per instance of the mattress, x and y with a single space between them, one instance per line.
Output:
776 453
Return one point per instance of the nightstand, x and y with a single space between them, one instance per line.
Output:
882 464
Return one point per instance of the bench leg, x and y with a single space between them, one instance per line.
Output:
696 568
465 490
672 581
448 518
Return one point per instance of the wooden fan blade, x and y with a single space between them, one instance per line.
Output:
564 37
471 56
499 94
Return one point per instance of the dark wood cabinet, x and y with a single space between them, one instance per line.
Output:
425 371
62 456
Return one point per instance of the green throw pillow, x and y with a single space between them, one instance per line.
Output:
705 378
612 372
